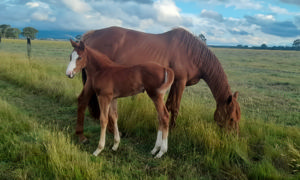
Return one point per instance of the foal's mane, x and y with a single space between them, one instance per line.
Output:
97 55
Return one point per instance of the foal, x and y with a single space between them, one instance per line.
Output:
110 81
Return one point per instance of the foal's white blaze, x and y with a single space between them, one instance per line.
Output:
72 65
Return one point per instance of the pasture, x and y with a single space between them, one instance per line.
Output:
38 117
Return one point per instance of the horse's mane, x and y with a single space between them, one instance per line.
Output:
194 47
205 59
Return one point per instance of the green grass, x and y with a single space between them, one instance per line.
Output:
38 116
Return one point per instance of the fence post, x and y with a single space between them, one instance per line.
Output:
28 47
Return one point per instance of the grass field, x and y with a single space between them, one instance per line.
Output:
38 116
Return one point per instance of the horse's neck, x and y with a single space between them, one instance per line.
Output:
216 79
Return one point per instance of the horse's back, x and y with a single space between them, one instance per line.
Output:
130 47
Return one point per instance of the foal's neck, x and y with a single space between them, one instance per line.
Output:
96 61
216 79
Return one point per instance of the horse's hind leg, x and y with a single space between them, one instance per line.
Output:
83 100
163 129
113 116
104 102
173 101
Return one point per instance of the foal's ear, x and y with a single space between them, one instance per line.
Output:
74 44
81 45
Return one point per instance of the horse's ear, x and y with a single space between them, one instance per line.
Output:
74 44
81 45
236 94
229 100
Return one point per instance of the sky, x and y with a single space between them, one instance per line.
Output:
222 22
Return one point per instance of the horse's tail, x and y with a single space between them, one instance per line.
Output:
93 105
168 79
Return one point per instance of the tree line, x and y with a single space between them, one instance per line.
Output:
6 31
295 45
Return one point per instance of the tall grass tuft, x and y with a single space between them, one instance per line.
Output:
39 77
29 151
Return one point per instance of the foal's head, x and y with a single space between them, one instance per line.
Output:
228 114
77 59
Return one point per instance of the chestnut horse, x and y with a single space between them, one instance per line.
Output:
189 57
110 81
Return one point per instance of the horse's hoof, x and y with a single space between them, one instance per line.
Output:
159 155
83 140
172 125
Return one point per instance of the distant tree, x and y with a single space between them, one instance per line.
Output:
296 43
29 32
3 29
239 46
202 38
264 46
12 33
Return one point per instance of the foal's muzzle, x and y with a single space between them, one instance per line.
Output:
70 74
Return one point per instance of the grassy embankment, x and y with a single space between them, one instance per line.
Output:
38 114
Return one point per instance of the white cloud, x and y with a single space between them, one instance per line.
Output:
278 10
78 6
42 16
244 4
265 17
32 4
167 11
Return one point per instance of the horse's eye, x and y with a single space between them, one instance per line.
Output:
231 119
79 58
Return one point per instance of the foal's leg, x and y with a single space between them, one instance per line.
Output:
113 115
104 102
163 129
174 98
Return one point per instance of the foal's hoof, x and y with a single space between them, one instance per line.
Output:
153 152
97 152
115 147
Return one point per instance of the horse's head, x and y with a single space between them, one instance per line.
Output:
77 59
228 114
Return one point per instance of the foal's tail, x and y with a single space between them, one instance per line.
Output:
168 79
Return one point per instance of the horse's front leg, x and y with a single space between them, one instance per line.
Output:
83 100
174 98
104 102
163 129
